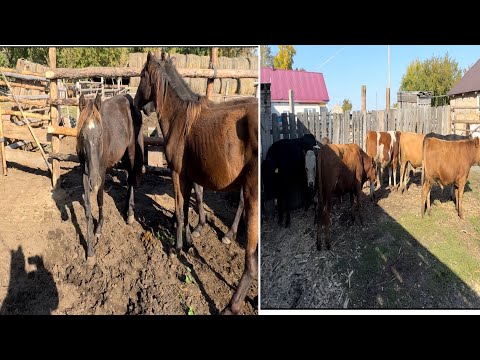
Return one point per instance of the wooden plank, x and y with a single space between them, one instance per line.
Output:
346 123
364 130
292 126
155 156
323 122
285 126
329 119
60 130
213 61
26 158
265 136
275 127
24 86
335 129
24 77
300 124
12 131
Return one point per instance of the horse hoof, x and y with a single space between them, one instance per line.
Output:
98 234
91 260
130 219
195 234
226 240
227 311
172 253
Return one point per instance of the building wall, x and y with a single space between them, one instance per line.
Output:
281 107
467 100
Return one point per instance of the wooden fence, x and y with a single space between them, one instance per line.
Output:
44 129
351 127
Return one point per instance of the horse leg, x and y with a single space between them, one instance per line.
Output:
88 214
178 209
131 201
186 187
128 162
251 260
201 211
232 233
98 230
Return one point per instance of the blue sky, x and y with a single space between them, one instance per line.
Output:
346 67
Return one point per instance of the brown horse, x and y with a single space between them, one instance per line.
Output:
216 148
109 132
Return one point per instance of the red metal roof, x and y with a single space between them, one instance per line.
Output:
308 87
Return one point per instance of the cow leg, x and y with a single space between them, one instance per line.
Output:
395 165
455 195
461 188
251 262
401 184
98 230
429 208
232 233
425 191
390 170
88 215
201 210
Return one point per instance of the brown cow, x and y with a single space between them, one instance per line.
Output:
411 153
341 169
447 163
384 148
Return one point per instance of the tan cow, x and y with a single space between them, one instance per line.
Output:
447 163
410 153
341 169
384 148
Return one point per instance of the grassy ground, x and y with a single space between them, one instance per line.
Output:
395 260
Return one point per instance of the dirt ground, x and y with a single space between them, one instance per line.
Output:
395 260
43 268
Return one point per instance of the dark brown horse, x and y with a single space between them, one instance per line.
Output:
109 132
216 148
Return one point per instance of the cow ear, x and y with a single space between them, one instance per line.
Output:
98 101
82 102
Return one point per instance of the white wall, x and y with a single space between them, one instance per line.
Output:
280 107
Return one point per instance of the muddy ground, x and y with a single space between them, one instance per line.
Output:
42 249
395 259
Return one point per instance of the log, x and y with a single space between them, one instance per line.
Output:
27 114
64 157
25 86
213 62
70 73
12 131
2 146
60 130
22 72
63 102
54 110
26 158
24 77
24 102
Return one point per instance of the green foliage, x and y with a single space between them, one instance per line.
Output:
191 310
92 56
284 57
346 105
35 54
188 277
437 74
266 58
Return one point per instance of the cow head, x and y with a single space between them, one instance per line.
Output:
310 168
370 172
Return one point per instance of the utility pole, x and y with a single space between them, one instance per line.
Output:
388 85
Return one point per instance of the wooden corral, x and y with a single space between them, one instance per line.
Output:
39 88
349 127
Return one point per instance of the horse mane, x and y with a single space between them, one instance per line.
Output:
164 77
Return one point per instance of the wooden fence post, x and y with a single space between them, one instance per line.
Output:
2 146
275 127
213 61
292 125
54 117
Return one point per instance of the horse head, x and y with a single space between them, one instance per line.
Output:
145 92
90 139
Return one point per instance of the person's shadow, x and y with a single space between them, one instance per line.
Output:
31 292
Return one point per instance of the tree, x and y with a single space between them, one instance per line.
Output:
437 74
266 57
300 69
284 57
347 105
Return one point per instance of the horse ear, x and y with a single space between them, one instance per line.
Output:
98 101
149 55
82 102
